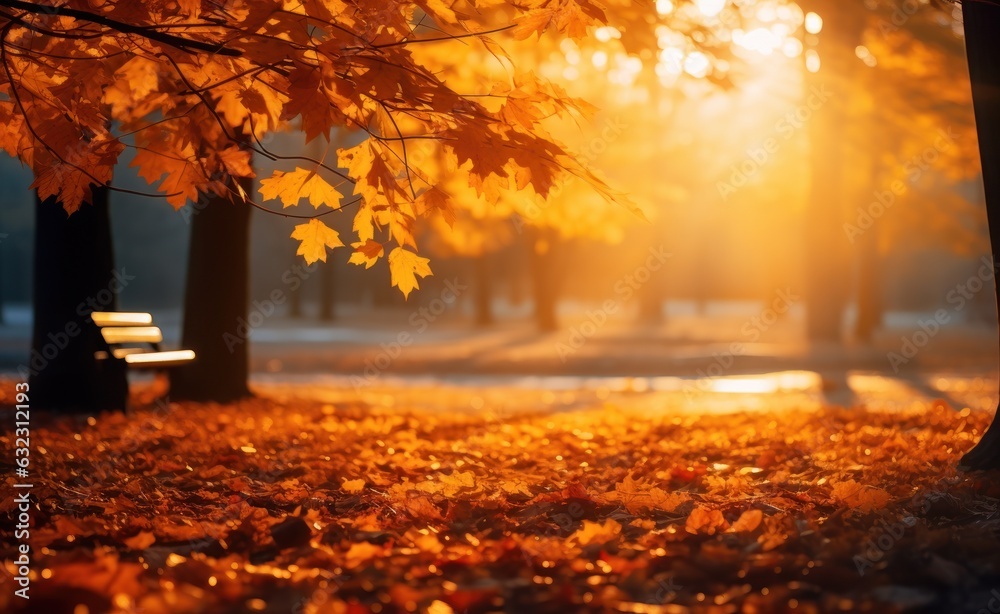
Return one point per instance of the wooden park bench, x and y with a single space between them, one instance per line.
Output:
132 339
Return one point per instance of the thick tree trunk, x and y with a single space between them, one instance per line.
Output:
74 275
216 321
827 253
543 279
982 22
327 292
483 289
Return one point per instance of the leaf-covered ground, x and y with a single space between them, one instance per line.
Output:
282 504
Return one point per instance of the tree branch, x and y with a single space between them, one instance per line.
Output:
179 42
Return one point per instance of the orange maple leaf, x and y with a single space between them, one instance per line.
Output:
405 266
290 187
315 237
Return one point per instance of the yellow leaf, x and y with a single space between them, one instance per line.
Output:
429 543
364 222
748 521
353 486
532 22
315 237
705 521
404 266
292 186
514 486
637 497
457 481
439 607
140 541
361 552
366 253
236 161
440 10
596 533
859 496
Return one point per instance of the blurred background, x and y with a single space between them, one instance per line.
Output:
811 180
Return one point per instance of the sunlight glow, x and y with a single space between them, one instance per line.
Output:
812 60
761 40
814 23
767 12
606 33
671 62
664 7
768 383
865 55
697 64
625 70
710 8
792 48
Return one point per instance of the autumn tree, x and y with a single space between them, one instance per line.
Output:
195 87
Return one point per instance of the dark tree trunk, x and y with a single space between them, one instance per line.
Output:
543 278
74 275
483 289
295 298
827 253
216 321
982 22
327 291
869 294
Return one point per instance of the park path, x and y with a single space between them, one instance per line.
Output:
774 391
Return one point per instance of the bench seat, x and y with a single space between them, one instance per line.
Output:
132 339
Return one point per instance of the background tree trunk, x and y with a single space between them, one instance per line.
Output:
982 23
74 275
3 262
541 244
651 299
327 291
483 289
215 305
870 294
295 296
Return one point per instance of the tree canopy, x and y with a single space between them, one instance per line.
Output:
196 86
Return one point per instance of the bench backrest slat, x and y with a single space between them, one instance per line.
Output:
120 318
163 359
114 335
